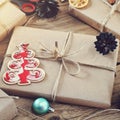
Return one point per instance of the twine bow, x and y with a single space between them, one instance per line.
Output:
112 11
60 56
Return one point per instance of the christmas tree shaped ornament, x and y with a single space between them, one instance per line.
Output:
105 43
47 8
23 68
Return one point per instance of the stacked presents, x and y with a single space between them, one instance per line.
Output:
63 66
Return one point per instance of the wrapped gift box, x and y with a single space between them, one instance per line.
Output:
10 16
95 14
7 108
96 69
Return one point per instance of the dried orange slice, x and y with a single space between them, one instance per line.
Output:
78 3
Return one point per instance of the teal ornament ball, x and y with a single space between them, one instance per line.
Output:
40 106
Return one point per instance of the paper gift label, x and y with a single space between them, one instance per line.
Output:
10 16
95 16
95 69
8 108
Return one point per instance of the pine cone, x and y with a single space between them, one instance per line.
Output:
47 8
105 43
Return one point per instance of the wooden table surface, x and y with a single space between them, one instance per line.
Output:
65 22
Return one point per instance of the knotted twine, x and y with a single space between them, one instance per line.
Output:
114 8
60 56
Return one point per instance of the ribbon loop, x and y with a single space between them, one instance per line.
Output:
74 65
61 57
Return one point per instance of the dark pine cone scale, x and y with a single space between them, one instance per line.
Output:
47 8
105 43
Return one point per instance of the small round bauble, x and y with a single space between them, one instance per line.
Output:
40 106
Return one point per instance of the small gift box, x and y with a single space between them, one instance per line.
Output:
100 15
73 67
7 108
10 16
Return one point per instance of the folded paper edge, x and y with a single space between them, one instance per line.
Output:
20 22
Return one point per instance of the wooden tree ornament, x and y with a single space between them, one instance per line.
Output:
23 68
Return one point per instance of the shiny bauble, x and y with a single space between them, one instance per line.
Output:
40 106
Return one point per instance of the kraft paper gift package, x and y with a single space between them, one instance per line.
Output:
71 53
106 17
10 16
8 108
78 52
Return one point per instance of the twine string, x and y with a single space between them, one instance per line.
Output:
112 11
63 60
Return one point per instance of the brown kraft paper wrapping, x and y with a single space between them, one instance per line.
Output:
95 13
7 108
96 69
10 16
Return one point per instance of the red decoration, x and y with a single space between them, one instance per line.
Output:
23 68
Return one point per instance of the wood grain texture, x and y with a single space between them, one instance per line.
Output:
64 22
